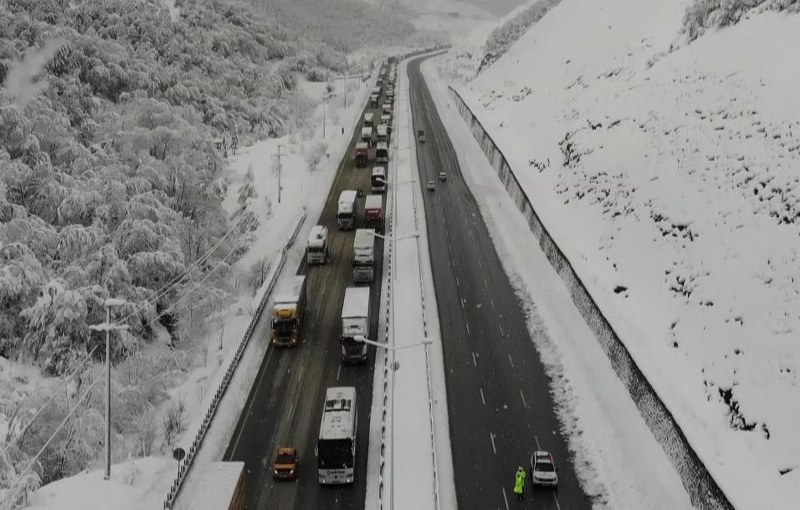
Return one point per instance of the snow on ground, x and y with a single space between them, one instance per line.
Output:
616 456
133 486
668 177
302 189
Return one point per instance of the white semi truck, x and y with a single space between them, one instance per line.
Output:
366 134
346 213
364 256
317 247
356 317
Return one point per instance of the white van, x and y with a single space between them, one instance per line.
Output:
368 119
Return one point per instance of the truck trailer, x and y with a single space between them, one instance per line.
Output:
373 211
221 487
364 256
346 213
382 133
317 246
356 317
287 312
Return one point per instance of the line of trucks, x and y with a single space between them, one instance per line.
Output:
291 300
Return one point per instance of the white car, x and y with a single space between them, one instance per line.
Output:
543 470
431 186
442 176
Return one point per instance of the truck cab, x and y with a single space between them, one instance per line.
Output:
361 154
364 256
317 245
369 119
287 312
366 134
346 212
373 212
356 315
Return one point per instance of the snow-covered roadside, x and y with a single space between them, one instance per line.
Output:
302 189
616 455
667 173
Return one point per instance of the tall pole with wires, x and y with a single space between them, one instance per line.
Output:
107 327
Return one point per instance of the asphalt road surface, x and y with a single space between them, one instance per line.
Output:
499 404
284 407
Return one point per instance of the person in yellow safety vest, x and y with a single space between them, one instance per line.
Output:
519 485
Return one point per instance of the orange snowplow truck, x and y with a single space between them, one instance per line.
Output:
287 314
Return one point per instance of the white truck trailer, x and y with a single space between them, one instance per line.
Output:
317 247
364 256
346 213
356 317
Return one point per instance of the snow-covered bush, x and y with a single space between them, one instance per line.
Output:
315 155
702 15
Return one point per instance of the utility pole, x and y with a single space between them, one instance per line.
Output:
107 327
279 156
345 87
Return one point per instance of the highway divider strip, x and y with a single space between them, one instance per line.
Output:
703 490
389 315
185 464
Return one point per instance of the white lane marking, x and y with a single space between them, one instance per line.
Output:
523 399
482 397
462 303
485 282
474 361
555 498
510 360
501 329
492 301
458 284
467 325
479 263
535 438
338 371
491 436
505 498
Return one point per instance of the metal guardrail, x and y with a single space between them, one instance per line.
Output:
186 463
703 490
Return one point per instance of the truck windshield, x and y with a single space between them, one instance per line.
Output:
316 249
283 325
335 453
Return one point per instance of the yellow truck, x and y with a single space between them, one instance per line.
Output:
287 312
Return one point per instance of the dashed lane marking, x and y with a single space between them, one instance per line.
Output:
338 371
505 498
491 436
484 403
510 360
467 325
523 399
501 329
474 360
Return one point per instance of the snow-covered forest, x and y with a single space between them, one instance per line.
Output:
111 186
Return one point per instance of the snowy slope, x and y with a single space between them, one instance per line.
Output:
668 175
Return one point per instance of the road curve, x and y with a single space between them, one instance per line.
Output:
499 403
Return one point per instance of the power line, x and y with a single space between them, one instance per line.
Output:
52 436
167 287
53 396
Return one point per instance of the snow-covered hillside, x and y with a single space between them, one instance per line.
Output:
667 171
